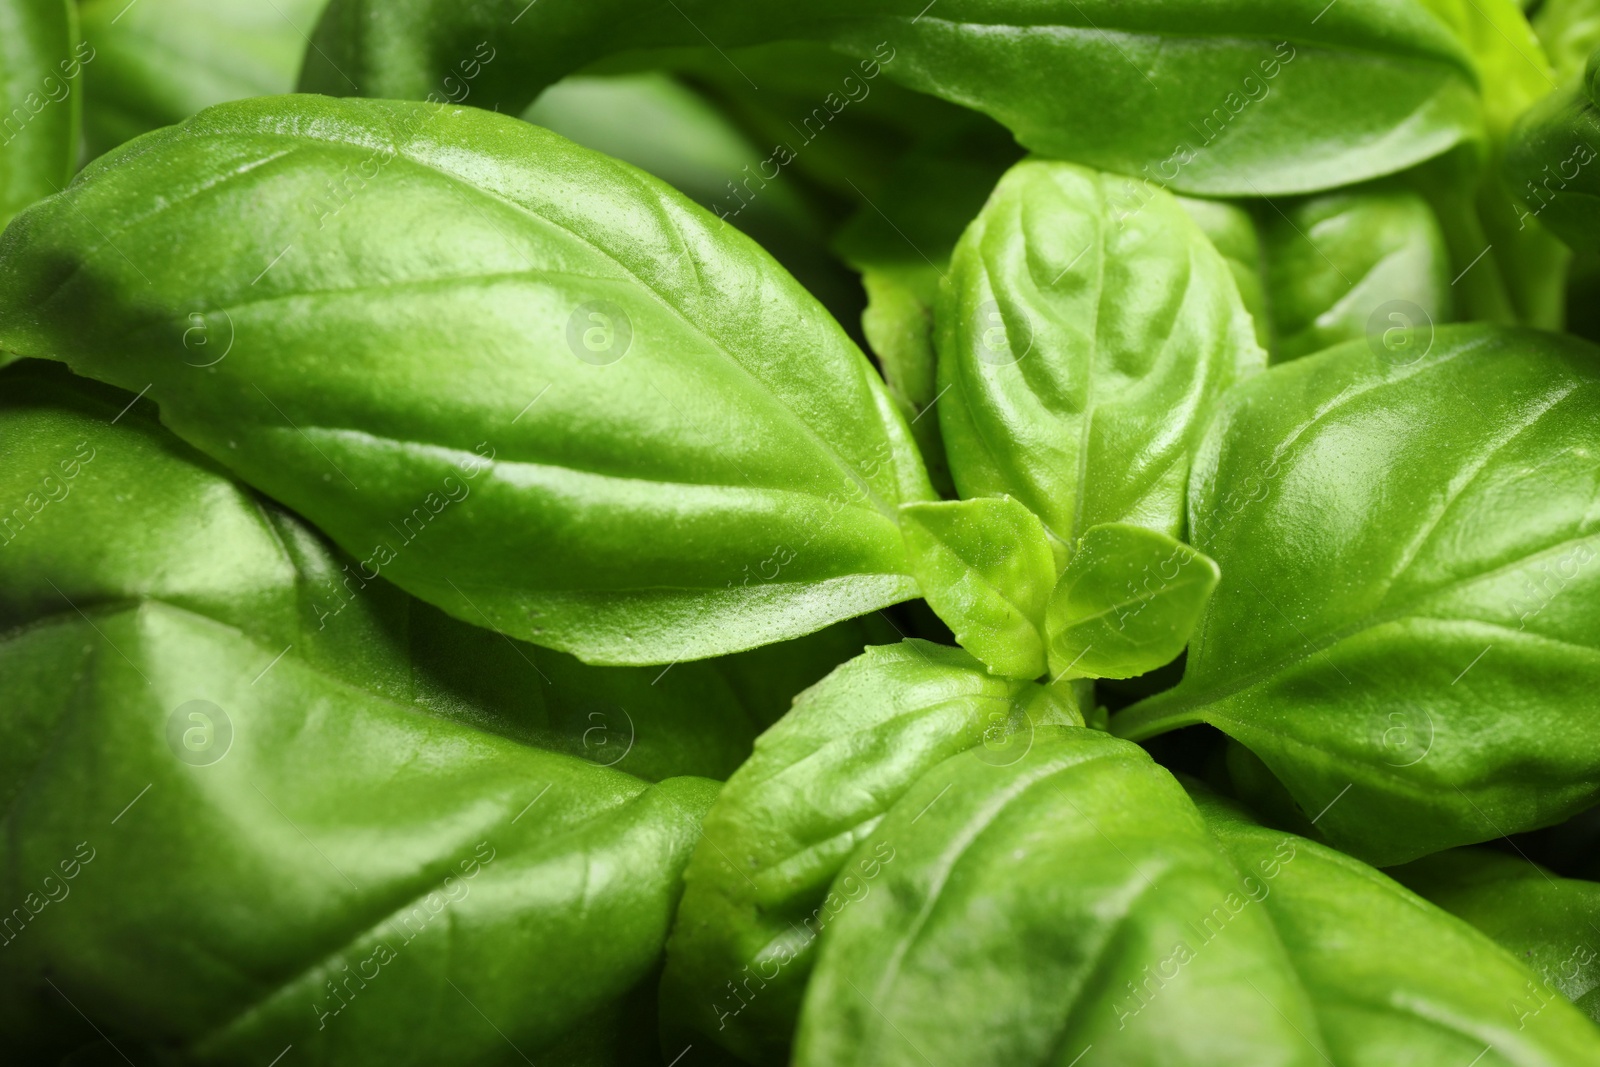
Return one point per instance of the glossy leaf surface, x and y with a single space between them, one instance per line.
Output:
1086 328
1553 164
1126 603
1081 892
1345 264
1392 977
1247 98
669 129
191 737
528 384
1405 631
757 891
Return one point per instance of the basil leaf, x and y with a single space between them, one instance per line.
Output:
1085 330
756 891
1080 888
1551 164
1232 231
488 337
1546 922
1344 265
986 568
1057 885
1126 603
1406 610
167 764
201 543
1250 98
40 99
159 61
1392 976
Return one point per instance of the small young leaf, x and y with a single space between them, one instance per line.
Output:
1085 331
985 566
1127 603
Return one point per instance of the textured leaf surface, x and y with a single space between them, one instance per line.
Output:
757 891
1345 265
1405 631
526 383
237 820
1126 603
1077 904
1085 331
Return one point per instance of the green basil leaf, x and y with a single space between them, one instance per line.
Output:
1551 165
1344 265
1085 331
1081 888
1058 886
1393 978
1546 922
756 891
40 99
167 764
1126 603
1570 32
1406 614
197 541
986 568
1249 98
159 61
1232 231
529 384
